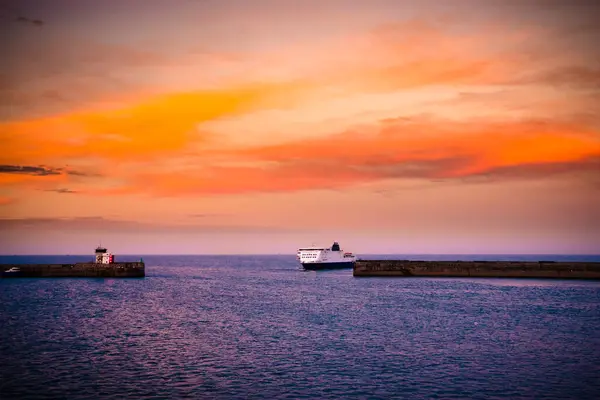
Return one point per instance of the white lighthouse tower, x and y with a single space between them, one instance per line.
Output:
103 257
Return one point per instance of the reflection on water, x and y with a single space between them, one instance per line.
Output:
257 327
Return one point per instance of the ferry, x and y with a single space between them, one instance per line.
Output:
315 257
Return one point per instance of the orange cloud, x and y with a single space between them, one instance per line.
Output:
422 51
160 131
4 200
397 149
454 50
101 224
235 180
33 176
506 143
575 76
150 129
25 180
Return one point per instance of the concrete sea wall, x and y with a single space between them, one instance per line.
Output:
91 270
480 269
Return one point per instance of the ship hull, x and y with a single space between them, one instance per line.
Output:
328 265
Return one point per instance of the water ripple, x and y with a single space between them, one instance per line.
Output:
256 327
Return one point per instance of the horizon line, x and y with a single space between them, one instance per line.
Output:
292 254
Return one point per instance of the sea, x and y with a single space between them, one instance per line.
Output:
260 327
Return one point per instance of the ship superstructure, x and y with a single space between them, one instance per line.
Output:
317 257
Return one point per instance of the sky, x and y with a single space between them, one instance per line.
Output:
226 126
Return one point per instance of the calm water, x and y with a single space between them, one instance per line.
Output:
226 327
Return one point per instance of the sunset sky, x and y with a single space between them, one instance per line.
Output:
261 126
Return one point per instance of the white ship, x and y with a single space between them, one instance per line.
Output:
316 257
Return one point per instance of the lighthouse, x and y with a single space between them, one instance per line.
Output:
103 257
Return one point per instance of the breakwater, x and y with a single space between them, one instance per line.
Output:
89 270
478 269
